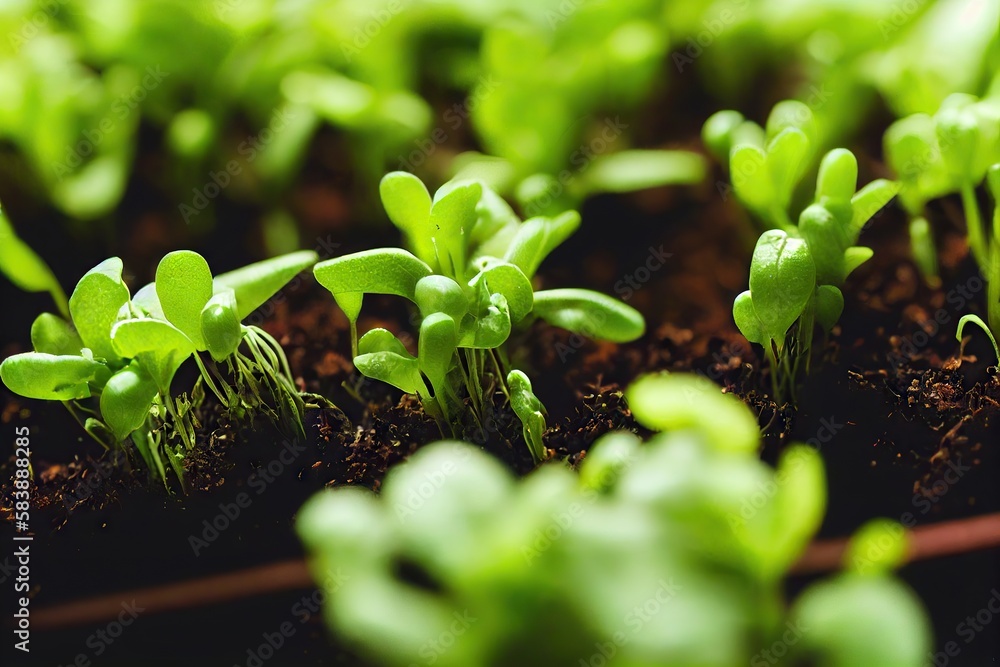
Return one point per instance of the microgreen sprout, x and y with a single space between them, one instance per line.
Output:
943 154
469 273
656 518
989 262
796 274
114 360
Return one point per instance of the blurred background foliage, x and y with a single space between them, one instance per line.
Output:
229 100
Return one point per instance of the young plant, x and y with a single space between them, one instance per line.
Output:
655 521
796 275
765 165
469 275
112 363
938 155
990 268
553 102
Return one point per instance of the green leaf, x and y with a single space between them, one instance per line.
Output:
607 459
878 547
782 280
183 286
51 377
382 340
437 345
717 133
850 617
799 506
440 294
490 329
508 280
958 135
126 400
787 160
25 268
589 313
827 240
530 411
868 201
54 335
746 319
159 346
147 302
537 237
453 216
854 257
408 205
381 271
94 306
978 321
628 171
255 283
750 173
838 175
829 306
220 325
402 372
791 114
674 401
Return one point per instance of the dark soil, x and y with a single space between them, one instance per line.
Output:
893 404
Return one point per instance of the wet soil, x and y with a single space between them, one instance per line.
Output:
905 417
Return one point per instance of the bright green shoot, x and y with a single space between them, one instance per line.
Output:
796 274
468 272
989 263
938 155
113 361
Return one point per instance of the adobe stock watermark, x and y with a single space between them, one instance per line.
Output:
957 298
101 640
580 160
121 108
363 35
248 150
967 630
562 521
712 28
303 610
751 505
259 481
633 623
454 117
900 16
432 483
565 9
31 26
432 649
625 288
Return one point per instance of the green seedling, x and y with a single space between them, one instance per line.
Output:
990 268
765 164
938 155
113 362
468 273
553 107
796 275
646 521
